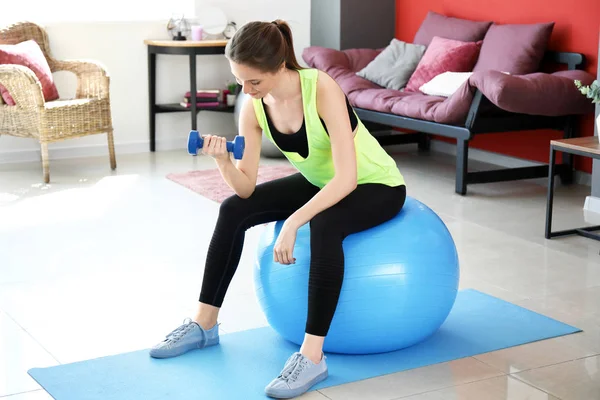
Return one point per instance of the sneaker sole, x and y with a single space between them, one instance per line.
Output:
177 351
288 394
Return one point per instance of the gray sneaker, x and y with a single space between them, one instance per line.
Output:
299 374
186 337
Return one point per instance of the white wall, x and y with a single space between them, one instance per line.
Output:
120 47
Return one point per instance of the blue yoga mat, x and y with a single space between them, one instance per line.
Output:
245 362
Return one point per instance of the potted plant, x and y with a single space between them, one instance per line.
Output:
591 92
231 96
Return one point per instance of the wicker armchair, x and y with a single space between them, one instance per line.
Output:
88 114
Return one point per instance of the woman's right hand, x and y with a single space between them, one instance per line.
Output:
216 147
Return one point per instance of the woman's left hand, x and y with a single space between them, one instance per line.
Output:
284 246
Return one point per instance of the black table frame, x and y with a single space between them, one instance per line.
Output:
586 231
192 52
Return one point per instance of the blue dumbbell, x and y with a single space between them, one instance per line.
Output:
236 147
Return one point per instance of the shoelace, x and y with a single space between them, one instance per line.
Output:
292 370
296 372
180 331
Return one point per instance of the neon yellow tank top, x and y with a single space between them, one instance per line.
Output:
374 164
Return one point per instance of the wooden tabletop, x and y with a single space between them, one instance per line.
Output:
187 43
588 144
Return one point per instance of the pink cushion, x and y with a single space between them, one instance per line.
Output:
376 99
514 48
544 94
440 25
6 97
30 55
537 93
443 55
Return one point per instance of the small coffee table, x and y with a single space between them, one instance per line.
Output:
582 146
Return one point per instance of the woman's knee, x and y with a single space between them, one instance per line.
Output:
326 224
234 206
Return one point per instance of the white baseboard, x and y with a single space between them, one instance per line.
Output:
55 152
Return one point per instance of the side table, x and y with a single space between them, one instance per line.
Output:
191 49
583 146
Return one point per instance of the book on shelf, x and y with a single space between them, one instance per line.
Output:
210 93
211 104
201 99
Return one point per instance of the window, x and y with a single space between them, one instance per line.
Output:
45 11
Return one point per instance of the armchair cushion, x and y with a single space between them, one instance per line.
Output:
30 55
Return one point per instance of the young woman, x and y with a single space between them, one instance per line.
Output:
346 183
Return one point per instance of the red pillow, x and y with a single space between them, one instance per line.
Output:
443 55
30 55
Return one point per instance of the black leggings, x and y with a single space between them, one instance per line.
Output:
367 206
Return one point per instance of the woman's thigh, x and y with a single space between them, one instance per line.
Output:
273 200
367 206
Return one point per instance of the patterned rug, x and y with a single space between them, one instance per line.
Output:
210 184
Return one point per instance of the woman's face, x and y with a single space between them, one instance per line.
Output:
255 83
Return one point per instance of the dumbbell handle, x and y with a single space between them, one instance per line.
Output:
195 142
229 145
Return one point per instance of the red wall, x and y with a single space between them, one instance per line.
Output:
577 25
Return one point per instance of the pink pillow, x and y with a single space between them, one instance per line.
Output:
30 55
443 55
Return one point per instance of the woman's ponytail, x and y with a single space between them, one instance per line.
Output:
263 45
290 55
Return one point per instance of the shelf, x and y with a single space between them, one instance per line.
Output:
176 107
187 43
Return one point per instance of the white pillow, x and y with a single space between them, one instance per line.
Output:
445 84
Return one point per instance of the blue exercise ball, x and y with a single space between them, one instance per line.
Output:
400 283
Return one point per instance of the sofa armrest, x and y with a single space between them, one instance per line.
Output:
538 93
327 60
572 60
342 67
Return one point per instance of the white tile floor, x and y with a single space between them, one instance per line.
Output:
115 259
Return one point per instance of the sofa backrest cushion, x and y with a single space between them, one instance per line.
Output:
514 48
394 65
443 55
440 25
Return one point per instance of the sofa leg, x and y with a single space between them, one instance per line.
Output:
424 142
462 157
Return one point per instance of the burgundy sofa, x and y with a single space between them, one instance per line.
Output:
490 101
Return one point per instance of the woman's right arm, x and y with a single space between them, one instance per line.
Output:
241 177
